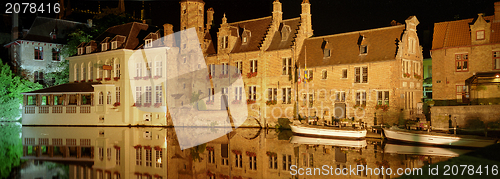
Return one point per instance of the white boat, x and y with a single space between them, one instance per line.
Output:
325 141
433 138
324 131
424 150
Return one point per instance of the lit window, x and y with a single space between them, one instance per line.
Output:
496 60
149 43
361 75
480 35
88 49
363 49
104 47
38 53
462 62
56 54
114 45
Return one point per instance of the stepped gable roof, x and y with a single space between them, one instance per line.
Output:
277 42
134 33
42 28
67 88
258 29
381 44
457 33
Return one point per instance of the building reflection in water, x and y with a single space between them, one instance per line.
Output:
120 152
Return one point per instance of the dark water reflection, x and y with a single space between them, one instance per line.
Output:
120 152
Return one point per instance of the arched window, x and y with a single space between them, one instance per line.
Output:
107 72
90 71
75 73
99 70
84 71
101 98
108 98
117 67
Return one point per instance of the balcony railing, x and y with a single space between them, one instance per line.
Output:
57 109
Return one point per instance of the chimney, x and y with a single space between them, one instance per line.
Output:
210 18
168 37
497 10
277 13
15 26
305 18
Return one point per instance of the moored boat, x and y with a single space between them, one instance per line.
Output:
329 141
325 131
433 138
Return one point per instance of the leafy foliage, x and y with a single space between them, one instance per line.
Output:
11 148
11 87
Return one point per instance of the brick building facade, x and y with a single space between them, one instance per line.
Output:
462 48
362 74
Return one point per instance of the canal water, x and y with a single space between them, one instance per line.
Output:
242 153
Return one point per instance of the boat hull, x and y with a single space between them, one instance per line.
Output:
328 132
437 139
331 142
424 150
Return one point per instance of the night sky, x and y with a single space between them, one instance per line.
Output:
328 16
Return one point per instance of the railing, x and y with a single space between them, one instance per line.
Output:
57 109
86 109
44 110
71 109
29 110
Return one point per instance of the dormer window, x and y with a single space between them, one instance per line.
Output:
149 43
480 35
80 50
326 53
104 47
88 49
224 42
114 45
363 49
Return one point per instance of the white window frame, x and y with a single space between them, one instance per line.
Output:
253 66
114 45
287 66
138 95
252 93
148 43
88 49
159 94
104 47
159 68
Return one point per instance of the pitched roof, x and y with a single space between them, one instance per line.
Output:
68 88
43 26
345 49
457 33
278 42
258 29
134 33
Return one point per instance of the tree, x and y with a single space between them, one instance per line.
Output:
11 148
11 87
